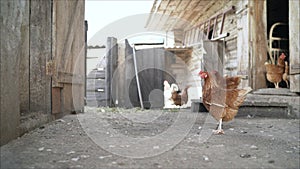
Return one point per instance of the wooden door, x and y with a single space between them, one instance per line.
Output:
150 66
68 56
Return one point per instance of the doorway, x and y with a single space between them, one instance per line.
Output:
278 31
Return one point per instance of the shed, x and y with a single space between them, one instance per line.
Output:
235 32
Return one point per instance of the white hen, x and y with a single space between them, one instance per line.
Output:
169 103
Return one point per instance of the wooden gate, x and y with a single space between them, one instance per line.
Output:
95 88
151 66
99 89
116 84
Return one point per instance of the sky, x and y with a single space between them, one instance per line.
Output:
100 13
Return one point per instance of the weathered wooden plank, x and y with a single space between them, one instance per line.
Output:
67 99
243 49
180 13
56 100
94 84
68 50
95 74
294 17
151 70
129 75
12 15
70 78
259 46
77 97
99 96
40 53
24 64
111 65
119 77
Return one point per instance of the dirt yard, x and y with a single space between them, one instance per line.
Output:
119 138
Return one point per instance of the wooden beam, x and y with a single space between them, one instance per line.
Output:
70 78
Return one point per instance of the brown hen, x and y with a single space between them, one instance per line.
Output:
180 98
221 102
275 71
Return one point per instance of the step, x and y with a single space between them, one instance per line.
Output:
256 105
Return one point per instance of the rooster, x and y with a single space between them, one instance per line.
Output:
275 71
222 100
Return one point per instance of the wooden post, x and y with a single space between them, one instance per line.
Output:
258 41
111 65
137 78
85 57
294 13
129 75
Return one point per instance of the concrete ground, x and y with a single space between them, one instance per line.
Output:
118 138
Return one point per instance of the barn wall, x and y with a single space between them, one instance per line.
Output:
24 63
233 53
40 53
30 44
34 84
11 43
26 51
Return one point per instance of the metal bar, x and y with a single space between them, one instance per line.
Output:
137 77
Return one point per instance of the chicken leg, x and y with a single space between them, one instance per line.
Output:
276 85
219 130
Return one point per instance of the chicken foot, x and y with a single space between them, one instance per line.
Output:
219 130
